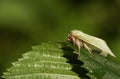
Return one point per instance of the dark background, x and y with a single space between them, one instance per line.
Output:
25 23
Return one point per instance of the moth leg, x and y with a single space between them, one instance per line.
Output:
89 49
78 43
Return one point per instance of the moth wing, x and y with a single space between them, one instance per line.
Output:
95 42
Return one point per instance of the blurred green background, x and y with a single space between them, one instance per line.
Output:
25 23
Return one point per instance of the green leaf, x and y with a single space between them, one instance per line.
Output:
100 67
60 61
45 61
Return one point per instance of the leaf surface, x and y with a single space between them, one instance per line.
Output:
45 61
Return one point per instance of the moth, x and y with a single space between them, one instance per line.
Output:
89 42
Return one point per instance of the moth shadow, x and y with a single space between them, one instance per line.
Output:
72 59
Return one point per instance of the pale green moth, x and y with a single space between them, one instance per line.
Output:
80 39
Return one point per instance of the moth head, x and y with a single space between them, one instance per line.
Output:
70 38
